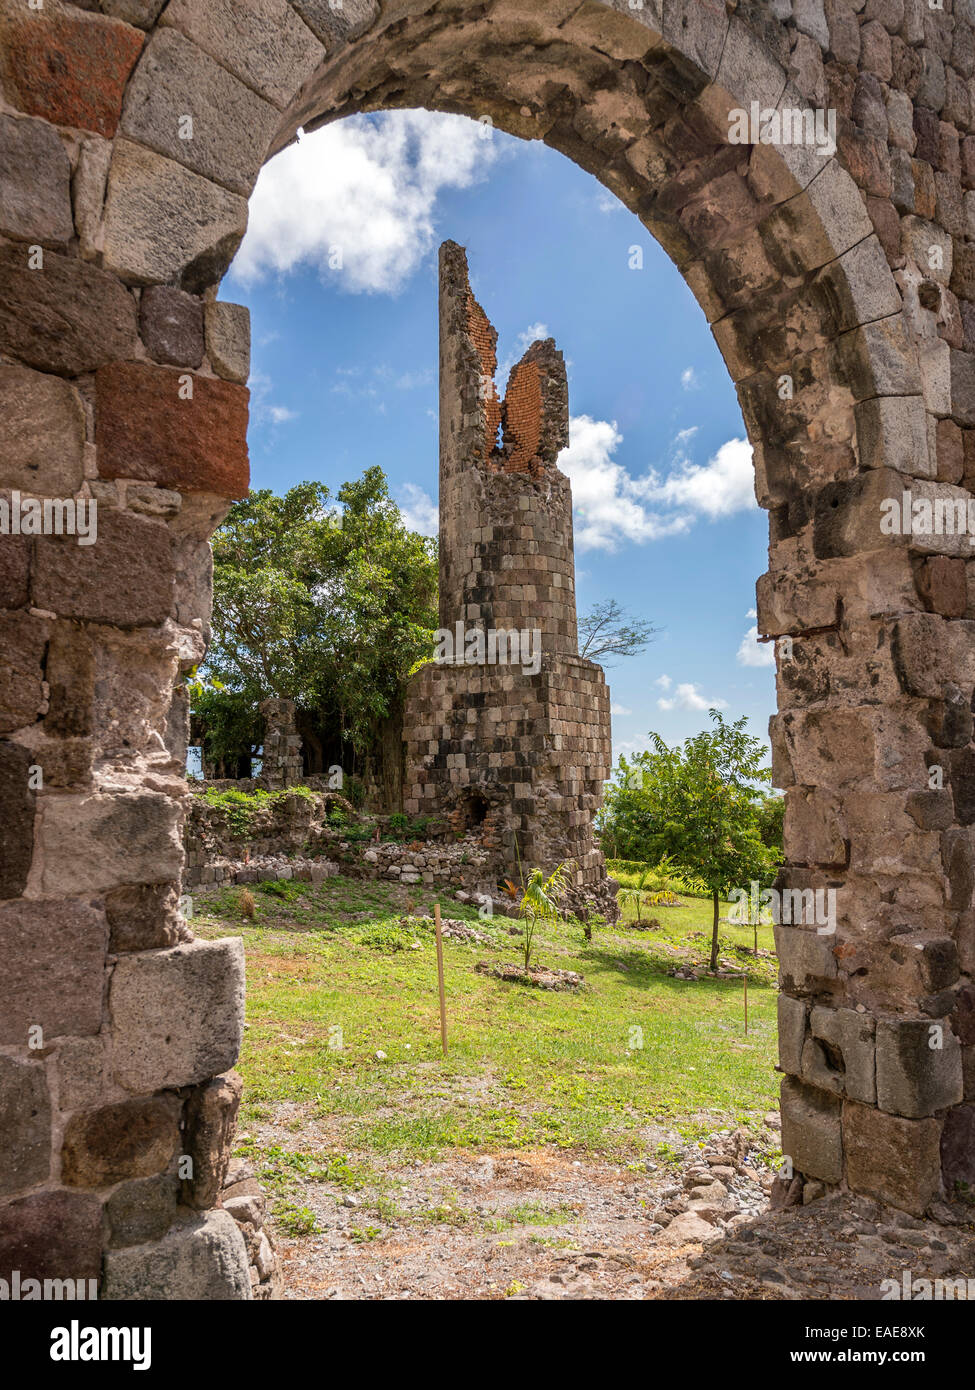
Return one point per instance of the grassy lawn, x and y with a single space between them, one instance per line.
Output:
334 979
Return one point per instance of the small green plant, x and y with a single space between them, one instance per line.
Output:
294 1220
540 903
362 1234
284 888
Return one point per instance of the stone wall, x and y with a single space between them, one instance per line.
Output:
841 292
292 838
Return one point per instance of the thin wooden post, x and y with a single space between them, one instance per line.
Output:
744 980
443 1001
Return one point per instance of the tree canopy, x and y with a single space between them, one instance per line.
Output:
327 601
701 803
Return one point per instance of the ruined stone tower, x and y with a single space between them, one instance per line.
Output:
508 731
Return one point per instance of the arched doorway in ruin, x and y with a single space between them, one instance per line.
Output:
854 386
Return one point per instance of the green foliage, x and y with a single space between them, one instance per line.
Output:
241 809
295 1220
698 803
540 903
329 605
284 888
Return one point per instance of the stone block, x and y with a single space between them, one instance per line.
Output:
164 223
25 1125
943 586
814 828
839 1055
142 1209
918 1066
44 434
81 1073
962 366
811 1131
893 1159
126 578
143 917
68 67
919 963
88 192
211 1118
892 433
858 286
930 654
958 1152
228 334
178 1014
70 675
806 959
203 1258
90 843
35 184
262 42
231 127
142 13
14 572
68 317
792 1020
132 1139
52 1235
336 25
880 358
172 325
54 969
16 822
23 641
145 430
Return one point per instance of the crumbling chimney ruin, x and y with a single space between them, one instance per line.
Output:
512 737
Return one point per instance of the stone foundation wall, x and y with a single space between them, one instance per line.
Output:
531 751
293 839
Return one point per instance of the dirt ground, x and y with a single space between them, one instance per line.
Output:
547 1225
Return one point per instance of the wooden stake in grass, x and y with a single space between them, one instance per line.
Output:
744 980
443 1002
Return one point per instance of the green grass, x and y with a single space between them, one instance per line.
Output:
334 978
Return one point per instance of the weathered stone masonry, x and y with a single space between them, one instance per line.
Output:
851 343
521 754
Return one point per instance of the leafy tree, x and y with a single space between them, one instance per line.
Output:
607 630
700 803
326 601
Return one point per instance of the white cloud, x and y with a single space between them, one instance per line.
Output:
722 486
418 510
664 682
688 696
532 334
365 190
752 652
619 709
262 409
612 506
689 379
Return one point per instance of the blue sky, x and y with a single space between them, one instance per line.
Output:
339 269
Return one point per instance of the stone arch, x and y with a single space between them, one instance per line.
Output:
848 341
